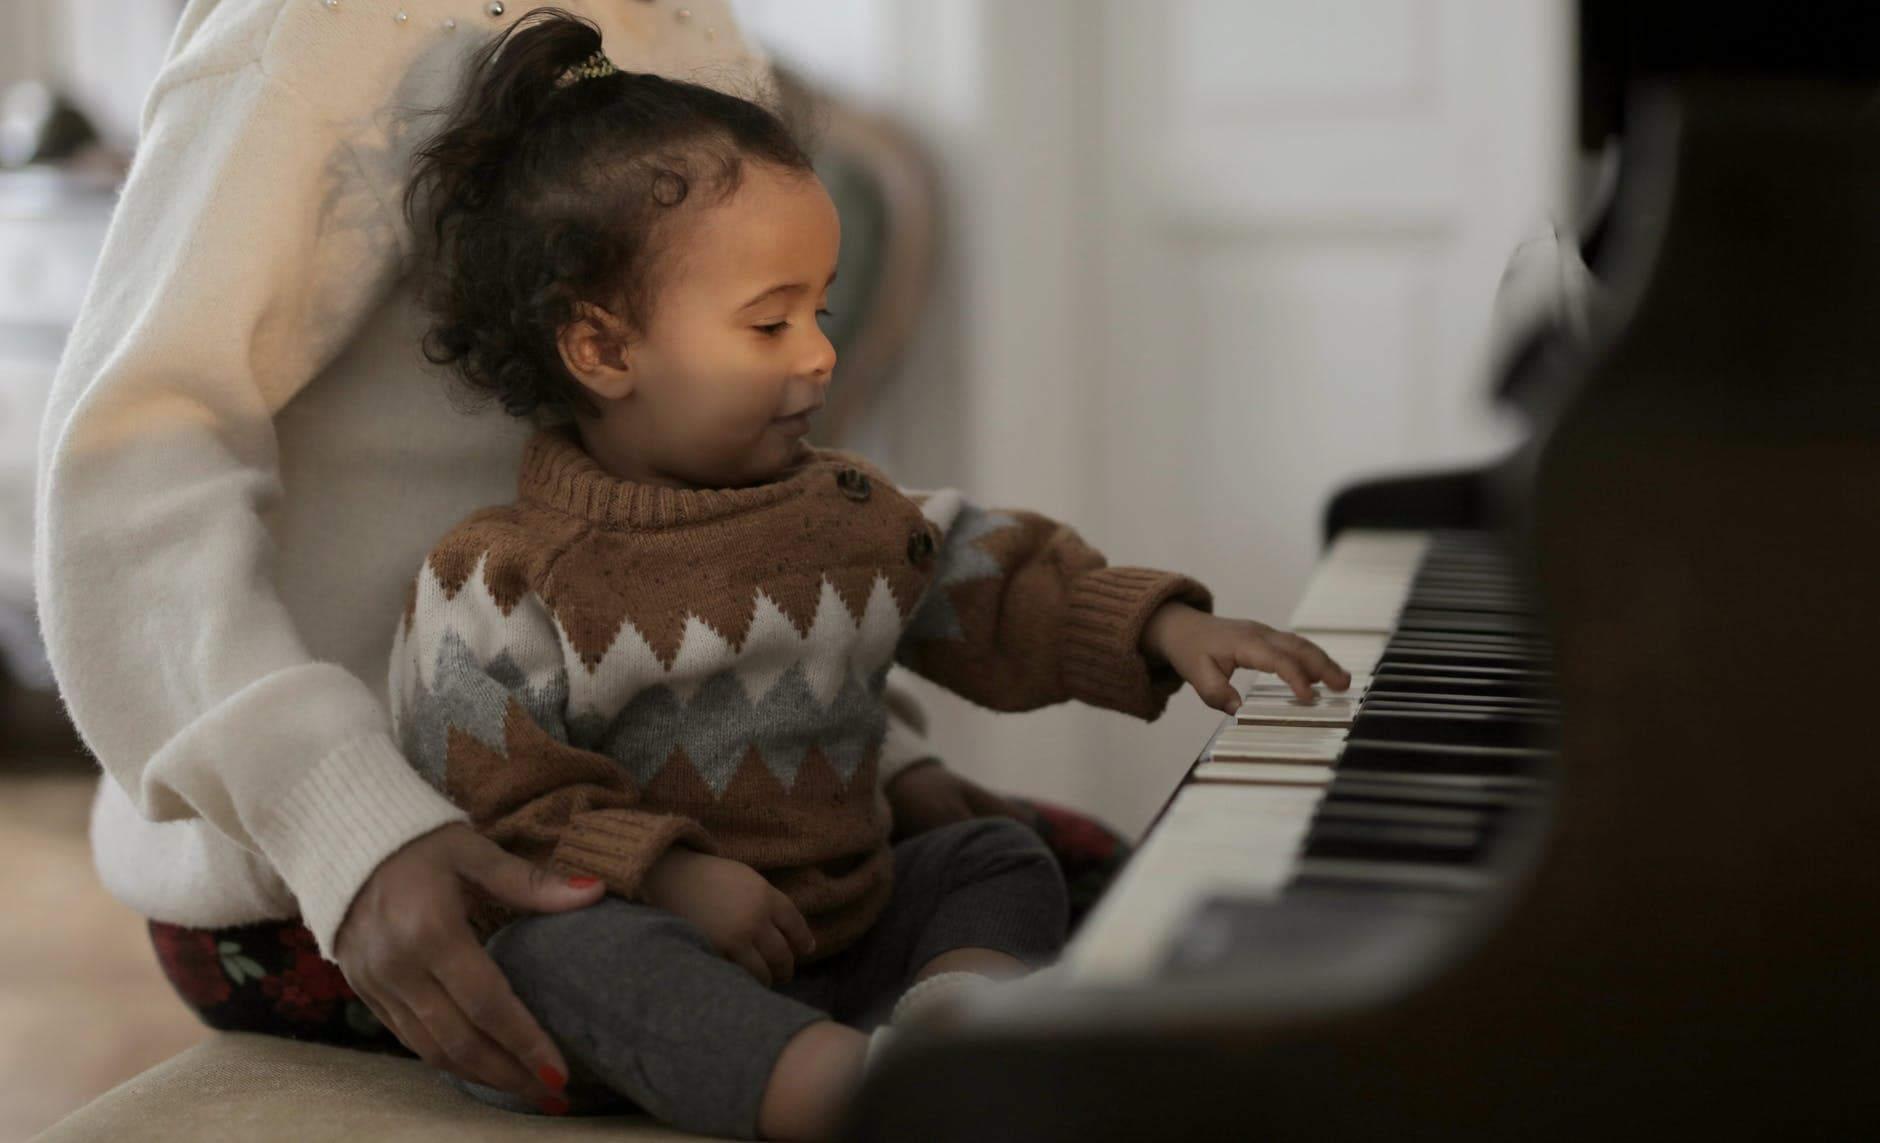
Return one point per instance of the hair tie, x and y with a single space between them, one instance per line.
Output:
593 67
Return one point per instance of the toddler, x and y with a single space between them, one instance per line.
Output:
662 665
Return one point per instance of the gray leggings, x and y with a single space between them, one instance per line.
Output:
647 1014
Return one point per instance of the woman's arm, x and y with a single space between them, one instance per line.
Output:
243 255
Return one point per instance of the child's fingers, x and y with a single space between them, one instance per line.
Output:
789 921
775 950
1318 664
746 957
1264 654
1212 685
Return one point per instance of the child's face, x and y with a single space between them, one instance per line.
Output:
733 345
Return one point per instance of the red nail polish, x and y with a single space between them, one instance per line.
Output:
554 1105
552 1078
583 882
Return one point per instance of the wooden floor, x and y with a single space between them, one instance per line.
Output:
82 1004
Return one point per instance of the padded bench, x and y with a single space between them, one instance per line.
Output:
241 1086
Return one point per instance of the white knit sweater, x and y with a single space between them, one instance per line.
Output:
245 456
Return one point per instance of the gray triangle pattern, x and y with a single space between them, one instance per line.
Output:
721 723
857 722
473 697
715 728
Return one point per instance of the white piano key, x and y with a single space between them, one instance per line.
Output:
1213 839
1203 812
1252 743
1260 683
1362 582
1263 773
1274 710
1357 652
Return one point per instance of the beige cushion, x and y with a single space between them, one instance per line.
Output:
240 1086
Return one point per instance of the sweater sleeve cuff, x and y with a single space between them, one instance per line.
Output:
1103 663
619 846
358 806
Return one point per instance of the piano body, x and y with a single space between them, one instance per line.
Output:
1594 854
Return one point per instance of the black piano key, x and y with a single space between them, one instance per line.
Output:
1370 842
1486 638
1532 676
1427 876
1445 728
1376 703
1339 808
1390 683
1438 652
1453 658
1411 757
1466 699
1411 790
1457 791
1436 619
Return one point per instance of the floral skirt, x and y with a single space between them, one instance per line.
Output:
269 977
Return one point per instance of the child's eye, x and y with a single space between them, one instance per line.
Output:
777 327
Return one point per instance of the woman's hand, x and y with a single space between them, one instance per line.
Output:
748 921
1206 650
408 950
927 794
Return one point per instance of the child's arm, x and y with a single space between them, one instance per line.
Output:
478 698
1022 613
1206 650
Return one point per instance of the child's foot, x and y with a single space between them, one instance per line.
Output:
933 1000
940 998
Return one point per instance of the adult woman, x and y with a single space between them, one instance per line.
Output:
239 468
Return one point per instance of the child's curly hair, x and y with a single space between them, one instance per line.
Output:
544 194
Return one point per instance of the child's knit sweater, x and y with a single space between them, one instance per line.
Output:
601 669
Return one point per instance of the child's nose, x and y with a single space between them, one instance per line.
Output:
821 361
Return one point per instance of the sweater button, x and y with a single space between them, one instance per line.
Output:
853 482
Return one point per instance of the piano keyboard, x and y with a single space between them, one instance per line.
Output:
1299 818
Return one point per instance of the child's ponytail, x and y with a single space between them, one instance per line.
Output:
543 192
508 84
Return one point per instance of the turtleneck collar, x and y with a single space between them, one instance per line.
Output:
558 472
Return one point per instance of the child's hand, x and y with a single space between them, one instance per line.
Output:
1205 650
749 921
927 795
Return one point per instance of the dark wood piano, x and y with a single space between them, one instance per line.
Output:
1594 852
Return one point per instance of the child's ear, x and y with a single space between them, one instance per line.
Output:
596 348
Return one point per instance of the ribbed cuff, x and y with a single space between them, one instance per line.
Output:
619 846
1103 663
358 806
